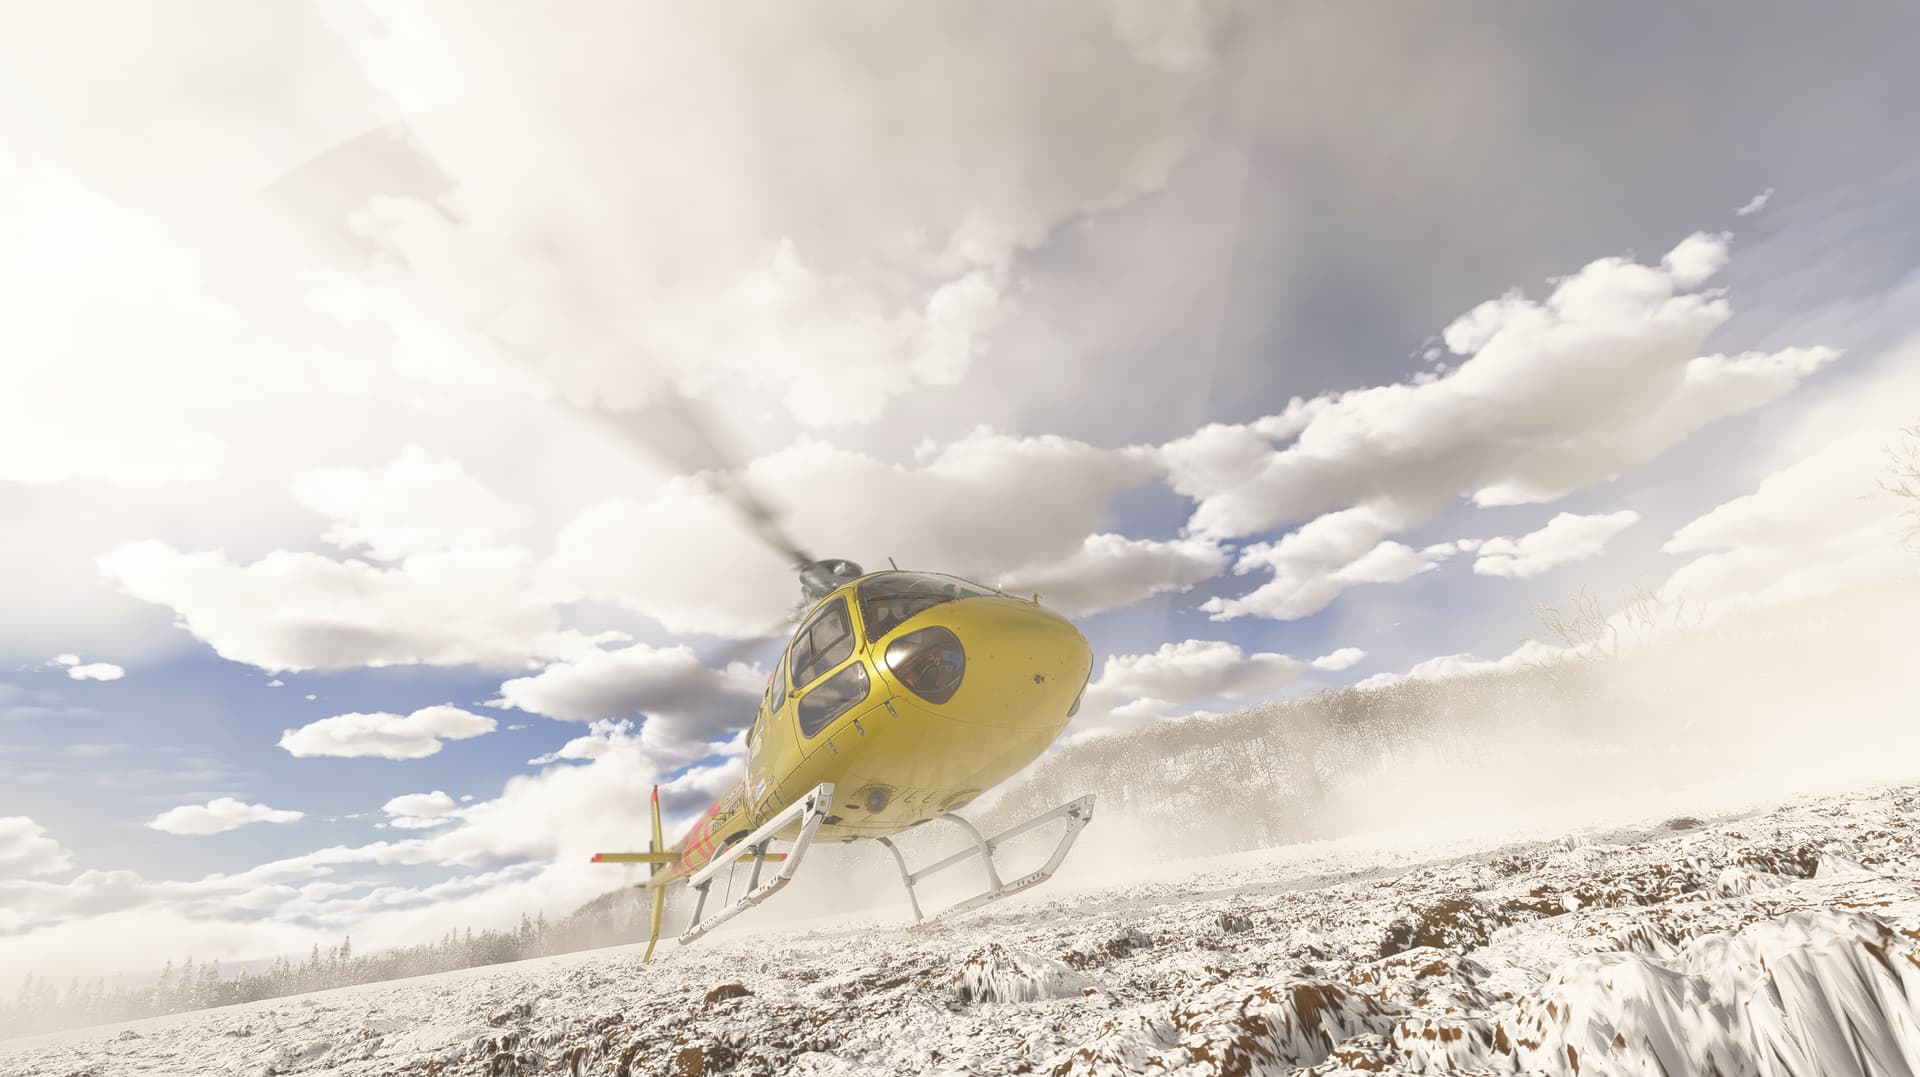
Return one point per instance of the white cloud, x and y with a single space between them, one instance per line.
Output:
1314 564
417 503
218 816
601 737
686 704
385 736
1111 571
1565 539
88 671
25 849
121 363
1135 687
298 611
1819 525
420 811
1600 378
434 803
1695 260
1755 204
914 215
1343 659
965 507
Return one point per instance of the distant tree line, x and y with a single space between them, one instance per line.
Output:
42 1005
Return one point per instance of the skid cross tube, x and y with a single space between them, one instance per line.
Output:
810 809
1076 812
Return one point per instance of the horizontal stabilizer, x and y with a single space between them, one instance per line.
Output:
636 858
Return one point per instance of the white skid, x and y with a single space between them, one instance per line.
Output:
812 809
1077 813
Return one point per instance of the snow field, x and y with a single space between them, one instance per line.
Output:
1771 943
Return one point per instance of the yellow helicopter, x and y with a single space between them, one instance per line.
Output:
900 699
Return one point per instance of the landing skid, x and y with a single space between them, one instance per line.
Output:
1077 813
811 809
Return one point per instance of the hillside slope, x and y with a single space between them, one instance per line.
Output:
1763 943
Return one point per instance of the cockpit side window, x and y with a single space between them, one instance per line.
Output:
824 643
778 690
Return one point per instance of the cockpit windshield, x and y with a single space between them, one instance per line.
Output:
889 598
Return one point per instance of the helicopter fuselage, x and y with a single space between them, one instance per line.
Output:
912 694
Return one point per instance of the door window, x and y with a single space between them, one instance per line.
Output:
832 698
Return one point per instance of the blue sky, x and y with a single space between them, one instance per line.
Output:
296 388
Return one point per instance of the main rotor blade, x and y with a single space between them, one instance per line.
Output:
741 649
672 428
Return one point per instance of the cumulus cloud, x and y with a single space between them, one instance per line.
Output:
420 811
1111 571
88 671
385 736
1311 566
686 704
298 611
601 737
1819 525
1133 687
965 507
218 816
1601 377
1565 539
25 849
417 503
1343 659
914 215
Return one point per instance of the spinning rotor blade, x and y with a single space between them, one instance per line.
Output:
742 649
673 429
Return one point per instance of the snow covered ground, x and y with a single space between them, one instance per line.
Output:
1780 940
